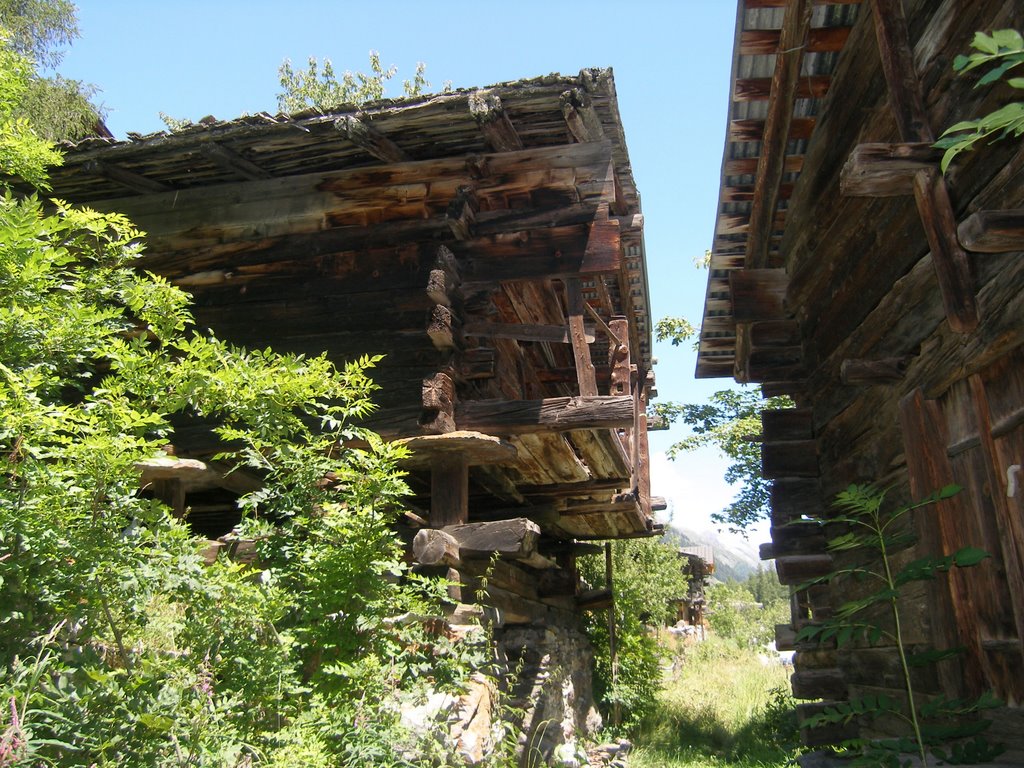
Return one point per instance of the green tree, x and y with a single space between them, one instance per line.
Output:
118 647
39 30
318 87
647 577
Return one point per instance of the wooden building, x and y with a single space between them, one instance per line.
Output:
887 300
489 243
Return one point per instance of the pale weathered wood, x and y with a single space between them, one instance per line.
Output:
432 546
439 328
461 214
478 448
886 170
438 398
514 538
494 122
583 121
370 140
993 231
585 374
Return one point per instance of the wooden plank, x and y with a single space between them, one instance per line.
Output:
784 91
886 170
370 140
993 231
765 42
742 166
754 130
585 374
819 684
760 88
789 458
494 122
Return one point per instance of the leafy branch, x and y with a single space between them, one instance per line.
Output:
876 534
1003 50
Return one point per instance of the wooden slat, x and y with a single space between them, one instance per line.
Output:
754 130
760 88
748 165
993 231
551 334
761 42
870 372
585 374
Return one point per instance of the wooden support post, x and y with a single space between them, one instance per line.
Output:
461 214
613 649
449 490
585 373
232 161
644 457
618 356
906 101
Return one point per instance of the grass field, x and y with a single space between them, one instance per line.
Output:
722 707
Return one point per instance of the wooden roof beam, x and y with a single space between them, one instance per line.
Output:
552 414
230 160
755 42
550 334
585 373
371 140
494 122
741 166
952 268
886 170
580 117
130 179
751 4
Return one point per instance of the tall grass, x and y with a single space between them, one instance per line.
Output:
722 707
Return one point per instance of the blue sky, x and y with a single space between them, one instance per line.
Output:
671 62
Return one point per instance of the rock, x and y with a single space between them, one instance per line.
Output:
472 732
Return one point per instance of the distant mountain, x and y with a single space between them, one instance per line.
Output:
734 561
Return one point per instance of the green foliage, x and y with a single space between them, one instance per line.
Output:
1003 50
37 31
117 645
22 152
872 535
721 707
647 575
731 421
746 612
318 87
674 329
